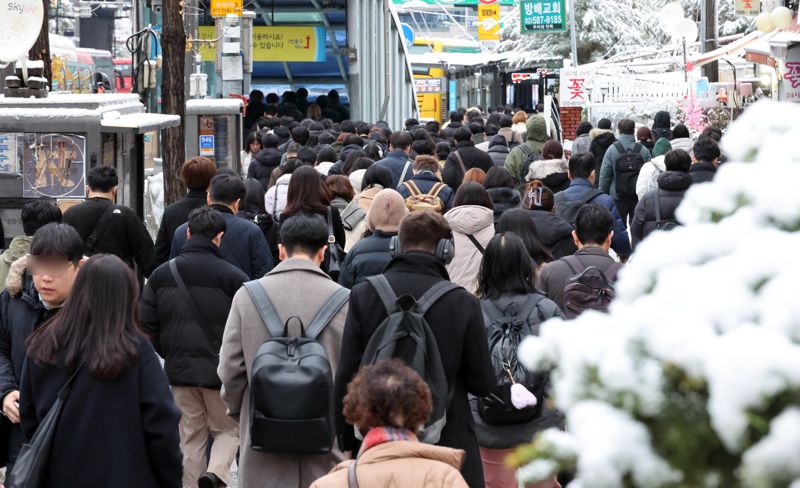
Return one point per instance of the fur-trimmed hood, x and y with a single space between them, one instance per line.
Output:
541 169
15 280
596 132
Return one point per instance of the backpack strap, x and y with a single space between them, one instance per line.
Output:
173 268
460 162
620 148
637 148
265 308
526 150
613 270
492 310
405 171
327 312
412 188
476 243
352 478
433 295
99 228
436 190
385 292
575 264
530 305
589 195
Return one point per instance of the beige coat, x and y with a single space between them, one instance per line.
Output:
296 287
479 222
402 464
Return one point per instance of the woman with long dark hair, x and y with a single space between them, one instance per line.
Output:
518 222
307 194
252 208
512 310
119 424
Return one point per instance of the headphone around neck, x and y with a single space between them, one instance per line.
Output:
445 249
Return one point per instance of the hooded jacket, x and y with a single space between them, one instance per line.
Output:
174 216
536 137
555 232
702 171
19 247
402 464
581 144
649 174
276 197
685 143
498 150
469 220
602 139
608 170
553 173
504 199
263 164
672 186
661 126
472 158
368 257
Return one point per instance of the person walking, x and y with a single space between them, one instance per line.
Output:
266 160
119 411
297 287
472 222
652 169
620 169
464 156
196 174
705 159
184 308
38 284
397 159
520 158
519 223
455 320
388 402
602 138
509 299
583 140
502 190
556 233
426 181
35 215
371 254
243 244
108 228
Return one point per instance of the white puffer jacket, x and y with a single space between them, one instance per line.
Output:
469 220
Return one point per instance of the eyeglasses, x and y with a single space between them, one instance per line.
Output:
55 267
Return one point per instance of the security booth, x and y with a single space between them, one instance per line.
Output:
214 129
48 144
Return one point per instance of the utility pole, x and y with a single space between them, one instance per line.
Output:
173 98
573 36
710 37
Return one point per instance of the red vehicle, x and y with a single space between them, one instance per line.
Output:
122 70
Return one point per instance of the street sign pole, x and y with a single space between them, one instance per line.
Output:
573 36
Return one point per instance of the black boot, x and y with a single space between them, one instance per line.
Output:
210 480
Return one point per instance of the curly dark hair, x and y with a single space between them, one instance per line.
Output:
388 393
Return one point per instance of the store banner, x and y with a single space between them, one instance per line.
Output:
574 87
748 8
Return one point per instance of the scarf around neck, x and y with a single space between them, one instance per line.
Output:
382 435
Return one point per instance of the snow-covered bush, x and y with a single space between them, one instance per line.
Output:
693 377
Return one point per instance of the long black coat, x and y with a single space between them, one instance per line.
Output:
598 147
504 199
262 165
555 232
368 257
190 357
457 323
473 158
702 172
125 237
121 433
672 186
176 215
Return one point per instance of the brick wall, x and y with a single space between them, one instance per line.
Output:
570 119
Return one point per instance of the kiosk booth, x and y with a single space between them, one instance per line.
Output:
48 144
214 129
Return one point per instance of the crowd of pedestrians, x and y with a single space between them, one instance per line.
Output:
346 311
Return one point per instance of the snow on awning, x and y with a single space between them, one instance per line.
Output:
787 36
139 123
704 58
455 59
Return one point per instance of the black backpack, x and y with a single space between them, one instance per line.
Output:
531 157
291 385
663 224
589 288
505 330
568 210
627 166
405 334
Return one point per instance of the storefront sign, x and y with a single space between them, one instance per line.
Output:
297 44
53 165
749 8
520 77
489 22
574 88
221 8
790 79
543 16
428 85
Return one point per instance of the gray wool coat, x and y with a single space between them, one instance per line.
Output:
296 287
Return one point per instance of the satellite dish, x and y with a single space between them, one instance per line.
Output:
670 15
686 30
20 23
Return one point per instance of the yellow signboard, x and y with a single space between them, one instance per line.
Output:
489 22
221 8
290 44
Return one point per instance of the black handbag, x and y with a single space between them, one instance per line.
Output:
336 254
30 470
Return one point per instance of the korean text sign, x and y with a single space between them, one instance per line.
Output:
543 16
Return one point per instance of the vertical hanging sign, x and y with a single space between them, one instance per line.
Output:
543 16
489 22
748 8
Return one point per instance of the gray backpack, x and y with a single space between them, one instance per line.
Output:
406 335
291 384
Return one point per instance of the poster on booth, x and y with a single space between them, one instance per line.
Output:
8 153
748 8
574 87
543 16
790 79
53 165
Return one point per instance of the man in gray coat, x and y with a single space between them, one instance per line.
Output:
296 287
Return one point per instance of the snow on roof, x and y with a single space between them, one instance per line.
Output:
139 123
214 106
455 59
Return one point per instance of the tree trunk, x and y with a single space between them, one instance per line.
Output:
41 49
173 99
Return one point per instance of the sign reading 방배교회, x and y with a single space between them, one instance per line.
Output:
748 8
296 43
221 8
542 16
